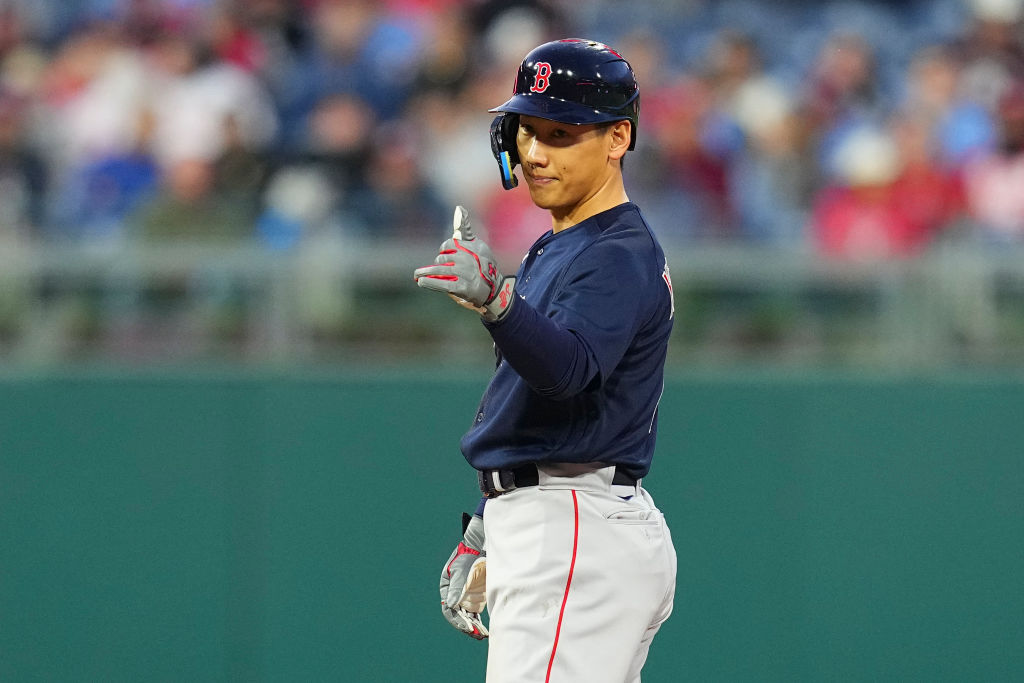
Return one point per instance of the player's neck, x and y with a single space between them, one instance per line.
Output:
607 196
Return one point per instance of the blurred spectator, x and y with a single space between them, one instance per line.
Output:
240 171
645 169
842 91
445 63
928 190
188 209
697 142
867 214
455 145
199 101
269 38
508 29
95 199
959 126
330 162
995 182
299 206
232 41
991 49
771 182
356 47
732 62
396 201
23 175
340 137
766 176
11 30
842 80
23 61
92 96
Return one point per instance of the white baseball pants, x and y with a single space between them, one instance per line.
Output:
578 579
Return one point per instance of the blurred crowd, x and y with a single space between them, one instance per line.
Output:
857 129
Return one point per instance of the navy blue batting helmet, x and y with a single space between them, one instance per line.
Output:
574 81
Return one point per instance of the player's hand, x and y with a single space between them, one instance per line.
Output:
464 581
466 270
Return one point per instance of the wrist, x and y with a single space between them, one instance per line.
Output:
473 534
499 306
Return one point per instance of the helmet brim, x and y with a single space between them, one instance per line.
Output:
555 109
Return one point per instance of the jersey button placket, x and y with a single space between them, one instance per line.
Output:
539 252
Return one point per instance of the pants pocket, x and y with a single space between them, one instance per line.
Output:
632 515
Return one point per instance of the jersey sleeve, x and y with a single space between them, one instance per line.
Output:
589 324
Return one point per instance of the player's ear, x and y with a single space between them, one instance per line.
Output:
619 136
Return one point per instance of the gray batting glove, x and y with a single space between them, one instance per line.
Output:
466 270
464 581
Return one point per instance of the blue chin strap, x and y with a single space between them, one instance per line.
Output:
503 141
508 179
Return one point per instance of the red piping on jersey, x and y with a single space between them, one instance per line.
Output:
568 581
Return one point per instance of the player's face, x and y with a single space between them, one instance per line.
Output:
565 165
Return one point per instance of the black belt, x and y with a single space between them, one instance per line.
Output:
493 483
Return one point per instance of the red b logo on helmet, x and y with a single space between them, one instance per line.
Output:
541 80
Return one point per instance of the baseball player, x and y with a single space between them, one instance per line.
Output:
568 552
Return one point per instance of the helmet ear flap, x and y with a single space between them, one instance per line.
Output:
503 145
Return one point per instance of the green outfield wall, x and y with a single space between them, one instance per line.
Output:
231 526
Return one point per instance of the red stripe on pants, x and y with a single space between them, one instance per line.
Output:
568 581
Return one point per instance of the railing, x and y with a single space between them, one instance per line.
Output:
334 300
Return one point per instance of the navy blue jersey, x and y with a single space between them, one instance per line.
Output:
581 355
